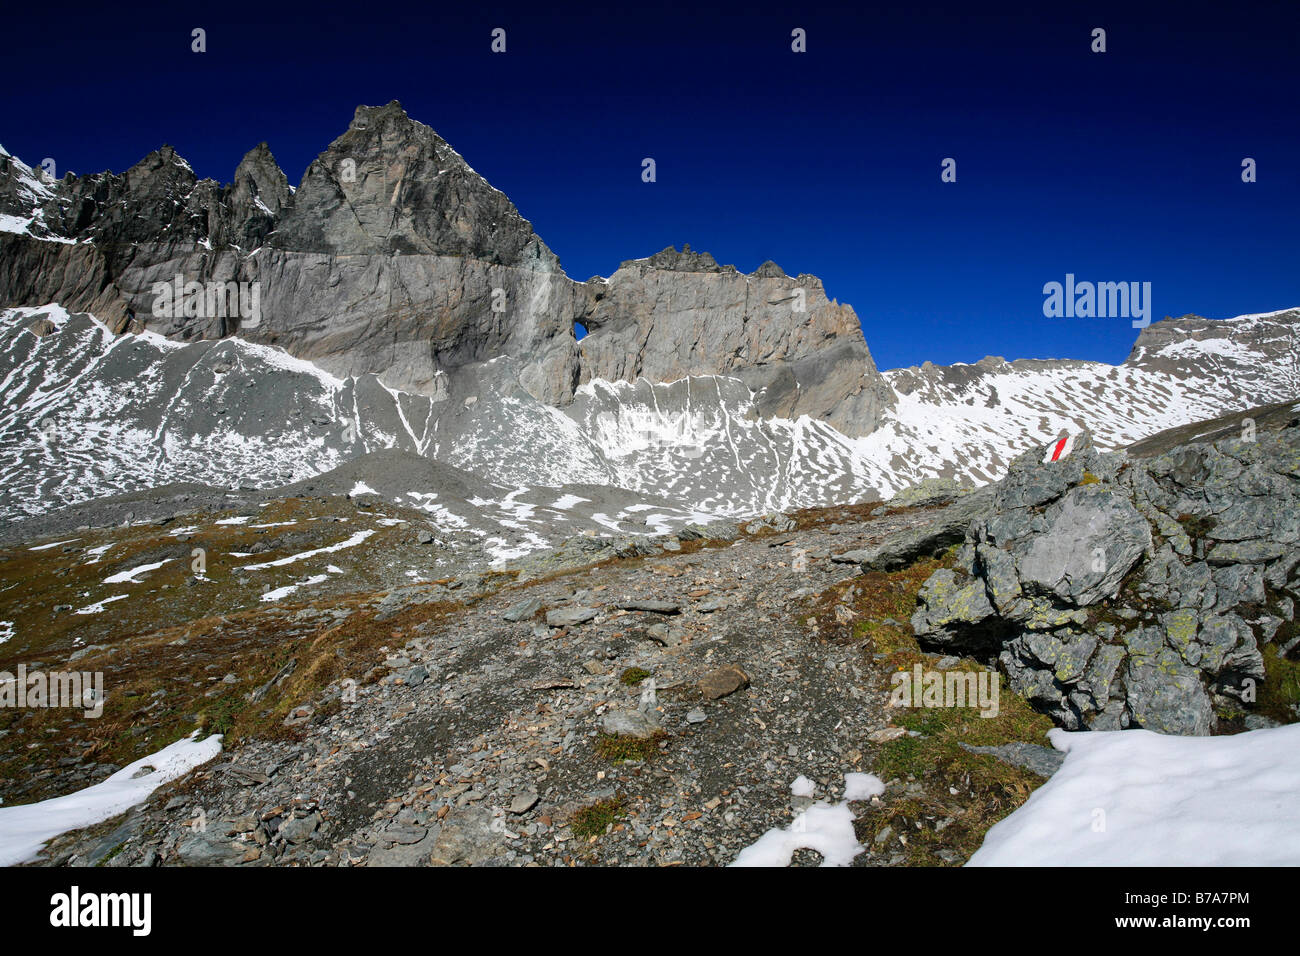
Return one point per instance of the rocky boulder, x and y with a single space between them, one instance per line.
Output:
1117 591
929 538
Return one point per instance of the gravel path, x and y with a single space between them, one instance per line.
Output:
483 741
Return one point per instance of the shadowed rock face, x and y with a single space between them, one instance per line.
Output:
32 270
159 198
395 258
160 201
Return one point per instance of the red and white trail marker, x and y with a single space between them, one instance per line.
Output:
1059 449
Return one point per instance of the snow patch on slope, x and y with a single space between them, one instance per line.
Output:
25 829
1136 798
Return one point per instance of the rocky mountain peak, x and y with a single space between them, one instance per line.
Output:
770 270
256 198
260 168
690 261
1191 328
392 186
1192 346
366 117
163 164
670 260
159 199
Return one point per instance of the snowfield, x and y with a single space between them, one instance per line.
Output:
88 414
1137 798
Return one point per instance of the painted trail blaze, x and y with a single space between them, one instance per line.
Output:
1058 450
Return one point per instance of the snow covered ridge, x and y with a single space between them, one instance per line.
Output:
30 192
82 407
1137 798
978 416
84 413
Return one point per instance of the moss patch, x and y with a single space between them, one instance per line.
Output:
944 729
1279 693
1197 526
624 749
592 821
873 609
950 797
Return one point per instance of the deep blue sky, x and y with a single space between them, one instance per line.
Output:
1115 166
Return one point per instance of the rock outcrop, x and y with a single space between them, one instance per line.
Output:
678 314
1118 591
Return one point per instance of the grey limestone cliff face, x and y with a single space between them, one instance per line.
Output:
393 257
678 314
